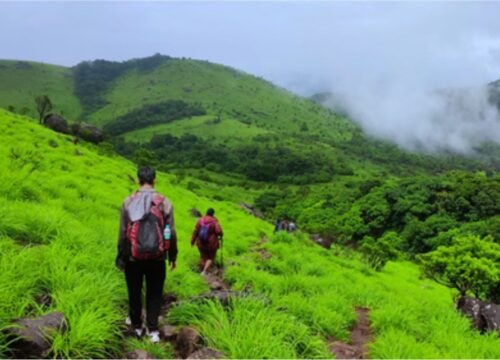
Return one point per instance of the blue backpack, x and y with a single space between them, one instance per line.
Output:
204 233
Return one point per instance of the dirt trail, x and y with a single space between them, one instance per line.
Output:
359 338
186 341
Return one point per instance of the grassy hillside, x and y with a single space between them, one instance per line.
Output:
220 89
22 81
206 127
59 213
239 108
58 234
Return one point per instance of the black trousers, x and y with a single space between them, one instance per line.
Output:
154 271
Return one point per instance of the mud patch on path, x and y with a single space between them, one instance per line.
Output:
359 338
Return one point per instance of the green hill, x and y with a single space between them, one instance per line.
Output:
59 213
142 98
242 138
21 81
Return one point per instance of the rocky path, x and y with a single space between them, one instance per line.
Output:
186 341
360 337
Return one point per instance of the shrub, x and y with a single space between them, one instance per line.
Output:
378 252
470 264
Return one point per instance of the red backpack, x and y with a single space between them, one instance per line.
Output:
146 235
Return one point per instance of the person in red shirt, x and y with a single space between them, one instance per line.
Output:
207 235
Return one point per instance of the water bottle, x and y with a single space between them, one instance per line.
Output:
167 232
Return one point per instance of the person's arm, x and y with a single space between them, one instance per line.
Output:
195 232
170 220
122 255
218 230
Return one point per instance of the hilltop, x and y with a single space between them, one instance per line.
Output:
188 113
60 205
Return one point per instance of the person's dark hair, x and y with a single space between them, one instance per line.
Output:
210 212
146 175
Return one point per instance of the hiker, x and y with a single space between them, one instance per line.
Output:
284 225
277 225
207 235
292 227
146 239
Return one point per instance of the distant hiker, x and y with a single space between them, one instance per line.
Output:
277 225
146 239
284 225
292 227
207 235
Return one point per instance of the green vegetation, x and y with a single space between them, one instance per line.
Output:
161 113
425 211
58 229
240 109
58 237
207 127
470 264
221 137
43 106
94 78
262 160
22 81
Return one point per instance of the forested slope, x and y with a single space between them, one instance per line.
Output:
60 205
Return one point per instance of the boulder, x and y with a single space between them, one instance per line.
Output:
216 285
32 336
342 350
168 300
484 316
188 341
264 254
88 132
471 307
138 354
214 282
168 332
222 296
195 212
491 317
326 243
206 353
251 210
56 123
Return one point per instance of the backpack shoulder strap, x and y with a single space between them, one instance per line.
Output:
129 199
158 199
156 208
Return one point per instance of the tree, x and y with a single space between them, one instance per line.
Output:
145 157
471 264
378 252
43 105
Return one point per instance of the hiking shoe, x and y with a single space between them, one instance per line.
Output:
203 273
154 336
128 321
138 332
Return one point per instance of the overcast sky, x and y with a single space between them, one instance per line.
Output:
305 46
384 58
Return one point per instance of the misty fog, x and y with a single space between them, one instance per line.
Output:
385 61
416 119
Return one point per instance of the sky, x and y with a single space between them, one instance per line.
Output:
370 52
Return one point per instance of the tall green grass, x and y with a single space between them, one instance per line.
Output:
250 328
58 226
322 291
59 215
